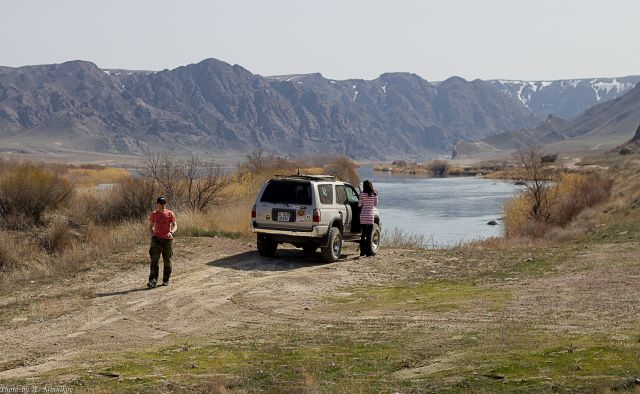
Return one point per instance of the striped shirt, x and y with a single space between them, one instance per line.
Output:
367 202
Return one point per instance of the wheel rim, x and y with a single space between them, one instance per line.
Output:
375 240
335 247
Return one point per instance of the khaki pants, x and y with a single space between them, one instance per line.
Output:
160 246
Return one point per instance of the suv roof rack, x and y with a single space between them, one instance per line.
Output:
304 176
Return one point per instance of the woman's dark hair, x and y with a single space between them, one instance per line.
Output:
367 187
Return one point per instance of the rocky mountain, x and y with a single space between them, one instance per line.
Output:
602 126
214 106
565 98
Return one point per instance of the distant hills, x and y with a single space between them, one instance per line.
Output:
213 106
566 98
600 127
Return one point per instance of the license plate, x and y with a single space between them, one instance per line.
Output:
283 216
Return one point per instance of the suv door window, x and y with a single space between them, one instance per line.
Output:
352 195
341 195
325 191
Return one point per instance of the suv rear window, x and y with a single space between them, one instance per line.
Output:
287 192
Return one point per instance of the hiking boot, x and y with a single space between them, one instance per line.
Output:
151 284
165 283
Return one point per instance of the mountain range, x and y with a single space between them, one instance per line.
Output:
600 127
213 106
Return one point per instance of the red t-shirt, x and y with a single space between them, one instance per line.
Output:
162 223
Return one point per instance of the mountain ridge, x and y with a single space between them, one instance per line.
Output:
213 106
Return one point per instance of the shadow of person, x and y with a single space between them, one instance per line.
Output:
284 260
122 292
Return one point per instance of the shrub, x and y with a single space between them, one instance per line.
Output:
563 202
29 190
343 169
575 192
132 198
59 235
439 168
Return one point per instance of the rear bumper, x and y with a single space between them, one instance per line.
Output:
316 231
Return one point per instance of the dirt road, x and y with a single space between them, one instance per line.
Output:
221 288
217 285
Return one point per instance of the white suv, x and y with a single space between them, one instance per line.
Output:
309 211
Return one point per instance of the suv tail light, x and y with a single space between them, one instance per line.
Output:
253 213
316 215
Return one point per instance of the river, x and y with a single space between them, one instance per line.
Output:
443 211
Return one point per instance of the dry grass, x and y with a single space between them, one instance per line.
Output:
398 238
59 235
9 258
230 219
566 199
117 238
96 175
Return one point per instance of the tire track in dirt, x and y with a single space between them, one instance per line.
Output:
205 297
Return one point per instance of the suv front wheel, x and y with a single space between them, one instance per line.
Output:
266 246
331 251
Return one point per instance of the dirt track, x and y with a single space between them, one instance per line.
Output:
222 286
217 285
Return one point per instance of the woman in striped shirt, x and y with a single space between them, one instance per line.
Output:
368 201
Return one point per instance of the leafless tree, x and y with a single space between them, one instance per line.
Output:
257 160
536 183
163 168
204 183
192 183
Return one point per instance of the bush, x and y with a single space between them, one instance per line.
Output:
576 192
439 168
343 169
29 190
564 201
59 235
133 198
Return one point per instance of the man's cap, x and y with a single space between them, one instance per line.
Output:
161 200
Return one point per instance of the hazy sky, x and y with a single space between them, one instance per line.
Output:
487 39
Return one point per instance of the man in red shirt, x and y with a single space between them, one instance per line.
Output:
162 225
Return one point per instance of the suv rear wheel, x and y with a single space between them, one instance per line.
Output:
266 246
375 239
331 251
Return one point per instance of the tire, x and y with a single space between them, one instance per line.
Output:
309 248
266 247
331 251
375 239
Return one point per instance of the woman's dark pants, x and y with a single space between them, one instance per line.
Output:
365 240
160 246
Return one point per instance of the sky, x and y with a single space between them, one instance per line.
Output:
341 39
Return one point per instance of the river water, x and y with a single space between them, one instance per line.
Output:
443 211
